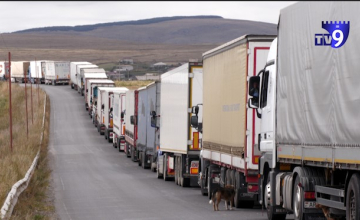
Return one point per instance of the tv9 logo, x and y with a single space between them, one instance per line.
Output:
338 34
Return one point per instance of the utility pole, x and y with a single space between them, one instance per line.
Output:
27 121
10 112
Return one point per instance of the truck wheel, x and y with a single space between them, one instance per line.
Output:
132 153
140 159
158 174
165 168
204 192
266 196
118 145
127 150
177 180
237 186
185 182
105 134
298 200
108 137
144 160
353 198
208 183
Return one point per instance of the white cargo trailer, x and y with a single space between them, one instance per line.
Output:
36 72
309 105
104 110
3 70
20 71
181 93
73 65
118 120
130 123
147 158
87 77
49 71
229 153
79 80
59 75
88 72
142 113
91 96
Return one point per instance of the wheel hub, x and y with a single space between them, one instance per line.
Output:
267 195
297 201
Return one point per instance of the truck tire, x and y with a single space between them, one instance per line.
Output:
237 186
203 191
140 159
108 137
177 171
270 214
223 176
209 182
105 134
127 150
133 154
158 174
353 198
165 177
144 161
298 200
184 182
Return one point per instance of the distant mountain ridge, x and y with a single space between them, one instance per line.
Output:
91 27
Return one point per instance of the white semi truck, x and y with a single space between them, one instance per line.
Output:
58 72
229 153
79 80
308 103
118 120
105 110
181 94
151 111
20 71
36 73
93 95
87 78
88 72
130 124
73 82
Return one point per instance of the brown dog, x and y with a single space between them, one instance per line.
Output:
325 210
227 193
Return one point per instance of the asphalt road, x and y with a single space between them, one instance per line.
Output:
93 180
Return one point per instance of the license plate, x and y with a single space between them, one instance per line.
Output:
309 204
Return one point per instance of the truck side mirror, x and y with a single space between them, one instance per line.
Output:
122 115
102 107
95 102
254 83
153 114
87 90
253 103
111 109
195 110
194 121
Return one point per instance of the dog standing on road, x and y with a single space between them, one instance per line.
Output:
227 193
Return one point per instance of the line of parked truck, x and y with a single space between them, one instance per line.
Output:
274 116
50 72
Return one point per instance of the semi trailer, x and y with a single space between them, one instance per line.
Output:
105 110
148 154
20 71
130 123
98 73
57 72
179 150
36 75
93 96
118 120
308 103
79 79
73 82
87 78
229 153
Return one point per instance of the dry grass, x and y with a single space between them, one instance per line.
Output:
36 202
132 84
14 164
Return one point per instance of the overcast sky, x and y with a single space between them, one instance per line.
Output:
16 16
